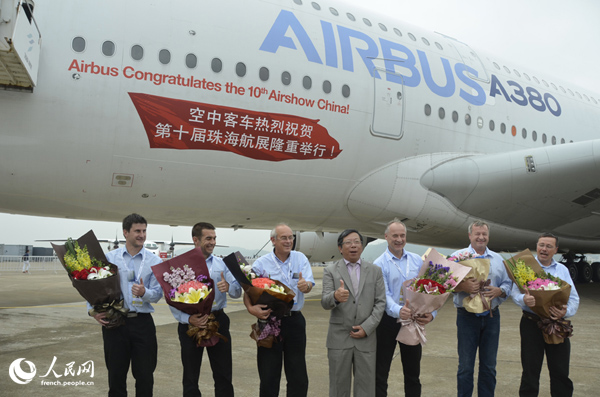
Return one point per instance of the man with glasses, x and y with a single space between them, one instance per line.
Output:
354 291
292 269
533 345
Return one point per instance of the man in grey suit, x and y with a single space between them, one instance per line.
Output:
354 291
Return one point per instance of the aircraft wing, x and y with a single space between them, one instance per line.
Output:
555 188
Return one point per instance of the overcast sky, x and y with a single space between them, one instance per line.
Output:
552 37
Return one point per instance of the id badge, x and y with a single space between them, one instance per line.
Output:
401 300
137 302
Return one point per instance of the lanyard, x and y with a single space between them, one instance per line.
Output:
288 279
136 279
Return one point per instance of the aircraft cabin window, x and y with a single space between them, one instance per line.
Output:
492 125
425 41
546 84
524 133
507 70
438 45
594 100
586 97
442 113
78 44
427 110
534 135
164 57
513 131
553 86
299 2
334 11
382 27
286 78
553 140
316 6
503 128
526 77
562 89
467 119
544 139
570 92
345 91
399 33
562 141
240 69
578 94
479 122
307 82
137 52
350 17
496 66
536 79
216 65
367 22
108 48
191 61
412 37
455 116
517 72
327 86
263 74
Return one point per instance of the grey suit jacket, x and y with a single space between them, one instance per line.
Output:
366 310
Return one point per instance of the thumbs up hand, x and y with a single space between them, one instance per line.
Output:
138 289
405 312
528 299
303 285
223 285
341 294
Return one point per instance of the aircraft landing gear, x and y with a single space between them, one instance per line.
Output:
596 272
579 268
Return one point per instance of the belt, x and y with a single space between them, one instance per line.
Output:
136 314
292 313
531 316
466 311
218 312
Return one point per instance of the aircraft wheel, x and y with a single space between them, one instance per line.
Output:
585 272
572 271
596 271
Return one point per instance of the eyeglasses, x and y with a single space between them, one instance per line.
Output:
286 238
353 242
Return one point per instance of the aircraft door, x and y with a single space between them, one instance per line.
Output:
469 58
388 105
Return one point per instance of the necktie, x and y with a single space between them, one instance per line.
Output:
353 277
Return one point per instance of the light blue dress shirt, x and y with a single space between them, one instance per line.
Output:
286 272
498 277
142 261
555 269
395 272
215 267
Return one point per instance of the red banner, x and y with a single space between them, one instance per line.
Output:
178 124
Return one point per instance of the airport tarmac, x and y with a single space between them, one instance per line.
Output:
44 318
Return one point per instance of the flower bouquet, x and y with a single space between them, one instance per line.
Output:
428 292
480 270
187 286
96 280
525 271
262 291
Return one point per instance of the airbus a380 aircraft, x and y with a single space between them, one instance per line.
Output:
248 113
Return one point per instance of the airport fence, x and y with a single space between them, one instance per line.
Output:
10 263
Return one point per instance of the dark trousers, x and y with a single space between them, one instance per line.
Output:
135 343
290 352
219 356
532 357
387 331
